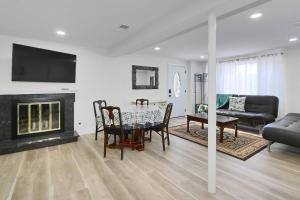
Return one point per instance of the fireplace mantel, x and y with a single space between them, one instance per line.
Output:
22 91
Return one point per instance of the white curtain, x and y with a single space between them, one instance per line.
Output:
237 77
261 75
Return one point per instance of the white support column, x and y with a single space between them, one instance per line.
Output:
212 36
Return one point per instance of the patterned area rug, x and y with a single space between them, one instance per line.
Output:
243 147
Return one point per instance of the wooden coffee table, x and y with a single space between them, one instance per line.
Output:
222 122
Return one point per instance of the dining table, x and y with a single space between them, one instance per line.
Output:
137 119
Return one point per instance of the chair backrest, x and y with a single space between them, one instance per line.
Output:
97 107
141 102
111 117
167 114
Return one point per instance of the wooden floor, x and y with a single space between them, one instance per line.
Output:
79 171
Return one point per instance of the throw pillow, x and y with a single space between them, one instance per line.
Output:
237 104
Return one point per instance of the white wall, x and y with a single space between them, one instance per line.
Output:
292 64
97 77
194 67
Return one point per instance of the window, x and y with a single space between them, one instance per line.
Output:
253 76
262 75
177 85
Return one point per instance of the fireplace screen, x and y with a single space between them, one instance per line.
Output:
38 117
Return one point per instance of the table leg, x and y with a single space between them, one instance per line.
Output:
221 134
202 125
188 125
133 139
143 139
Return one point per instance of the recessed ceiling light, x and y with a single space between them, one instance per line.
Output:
202 57
124 26
256 15
293 39
157 48
60 33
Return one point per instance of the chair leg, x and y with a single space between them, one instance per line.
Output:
168 138
150 138
163 140
115 139
96 134
122 153
143 139
122 146
105 144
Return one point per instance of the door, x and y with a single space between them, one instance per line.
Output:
177 89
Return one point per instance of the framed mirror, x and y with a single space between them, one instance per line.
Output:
144 77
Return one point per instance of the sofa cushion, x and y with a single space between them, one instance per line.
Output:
261 104
268 118
237 103
285 130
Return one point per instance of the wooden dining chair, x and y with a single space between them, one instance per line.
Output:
97 111
112 125
163 127
141 102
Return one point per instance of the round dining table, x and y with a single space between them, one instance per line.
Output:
141 115
137 118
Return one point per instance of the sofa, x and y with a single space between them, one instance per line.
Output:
259 111
285 131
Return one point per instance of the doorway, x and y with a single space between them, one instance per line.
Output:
177 89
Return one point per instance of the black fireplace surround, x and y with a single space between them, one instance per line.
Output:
10 142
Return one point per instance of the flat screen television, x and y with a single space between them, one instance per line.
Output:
41 65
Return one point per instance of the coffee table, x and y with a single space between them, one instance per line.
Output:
222 122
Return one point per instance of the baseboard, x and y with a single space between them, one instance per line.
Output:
12 146
86 131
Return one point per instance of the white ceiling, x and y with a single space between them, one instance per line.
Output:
95 23
87 22
238 35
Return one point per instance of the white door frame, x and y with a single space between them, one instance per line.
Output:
185 82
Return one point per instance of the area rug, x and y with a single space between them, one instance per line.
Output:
243 147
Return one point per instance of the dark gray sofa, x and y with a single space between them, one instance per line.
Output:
285 131
259 111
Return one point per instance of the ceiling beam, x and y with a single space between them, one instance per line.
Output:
187 19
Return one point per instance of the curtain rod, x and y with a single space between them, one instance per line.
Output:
239 58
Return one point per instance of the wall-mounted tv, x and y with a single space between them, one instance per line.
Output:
41 65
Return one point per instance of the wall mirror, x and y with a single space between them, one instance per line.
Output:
144 77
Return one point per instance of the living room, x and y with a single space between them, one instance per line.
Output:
109 44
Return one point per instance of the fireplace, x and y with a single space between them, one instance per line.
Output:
29 121
36 118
